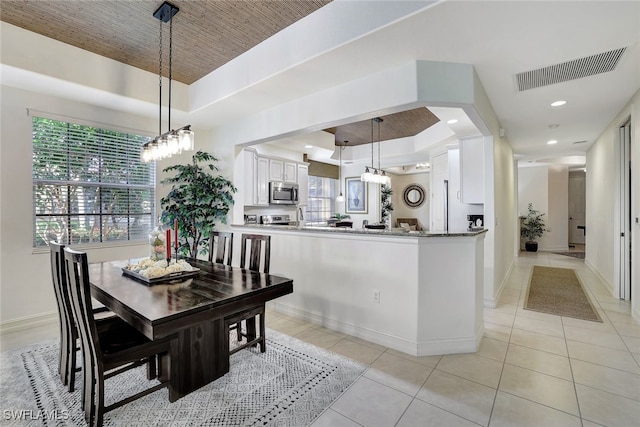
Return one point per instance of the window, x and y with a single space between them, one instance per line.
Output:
321 203
89 185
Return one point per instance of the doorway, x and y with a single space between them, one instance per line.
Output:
577 208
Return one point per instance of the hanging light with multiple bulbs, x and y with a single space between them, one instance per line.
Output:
378 176
174 141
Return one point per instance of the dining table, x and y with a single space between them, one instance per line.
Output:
193 308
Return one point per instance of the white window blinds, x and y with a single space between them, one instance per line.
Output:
89 185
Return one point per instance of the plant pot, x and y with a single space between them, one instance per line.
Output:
531 246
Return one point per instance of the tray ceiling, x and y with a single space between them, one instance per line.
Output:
393 126
206 34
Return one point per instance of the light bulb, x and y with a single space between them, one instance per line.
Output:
340 198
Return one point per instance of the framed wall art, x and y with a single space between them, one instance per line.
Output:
356 195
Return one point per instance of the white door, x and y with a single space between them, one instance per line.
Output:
622 251
577 207
439 174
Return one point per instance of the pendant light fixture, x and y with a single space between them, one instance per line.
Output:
174 141
340 198
378 176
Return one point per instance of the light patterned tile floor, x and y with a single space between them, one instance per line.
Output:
532 369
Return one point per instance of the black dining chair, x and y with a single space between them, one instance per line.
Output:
221 244
112 350
68 332
257 260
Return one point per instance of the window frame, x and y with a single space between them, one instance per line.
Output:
128 172
309 212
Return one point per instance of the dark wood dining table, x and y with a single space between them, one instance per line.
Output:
195 309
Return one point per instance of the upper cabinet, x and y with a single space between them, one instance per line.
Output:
260 170
256 179
282 170
472 171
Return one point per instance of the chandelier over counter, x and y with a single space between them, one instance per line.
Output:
378 176
174 141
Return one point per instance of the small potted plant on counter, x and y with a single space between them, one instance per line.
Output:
532 227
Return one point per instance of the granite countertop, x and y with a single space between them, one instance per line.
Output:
346 230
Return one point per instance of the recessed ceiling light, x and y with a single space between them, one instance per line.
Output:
551 142
452 121
308 146
558 103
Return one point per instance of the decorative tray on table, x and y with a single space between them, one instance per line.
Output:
155 272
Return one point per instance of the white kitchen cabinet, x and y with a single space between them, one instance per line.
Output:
472 171
303 184
281 170
250 178
262 181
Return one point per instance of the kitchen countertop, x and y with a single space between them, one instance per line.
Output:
346 230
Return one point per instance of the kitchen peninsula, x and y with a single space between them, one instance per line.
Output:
417 292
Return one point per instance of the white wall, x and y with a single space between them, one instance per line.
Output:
601 177
25 275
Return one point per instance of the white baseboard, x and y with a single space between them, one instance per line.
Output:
606 283
29 322
403 345
493 303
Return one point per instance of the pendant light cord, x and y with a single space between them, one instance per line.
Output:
170 65
160 85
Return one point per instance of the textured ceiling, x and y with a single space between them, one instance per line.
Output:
206 34
398 125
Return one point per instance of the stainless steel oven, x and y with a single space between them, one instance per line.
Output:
281 193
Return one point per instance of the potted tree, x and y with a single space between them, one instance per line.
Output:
198 198
532 227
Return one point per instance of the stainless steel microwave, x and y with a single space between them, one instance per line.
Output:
281 193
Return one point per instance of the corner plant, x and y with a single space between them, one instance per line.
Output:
198 198
532 225
386 207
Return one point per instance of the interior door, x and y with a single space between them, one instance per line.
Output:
622 253
577 207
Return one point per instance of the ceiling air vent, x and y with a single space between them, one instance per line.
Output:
570 70
579 142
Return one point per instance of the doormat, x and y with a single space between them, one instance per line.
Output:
289 385
559 291
579 255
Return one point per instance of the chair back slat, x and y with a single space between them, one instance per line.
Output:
221 244
260 252
80 291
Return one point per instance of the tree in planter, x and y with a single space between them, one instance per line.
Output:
532 227
198 198
386 207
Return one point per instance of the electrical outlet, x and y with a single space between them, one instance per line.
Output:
376 296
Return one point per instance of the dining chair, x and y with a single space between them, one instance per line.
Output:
68 332
258 260
221 246
112 350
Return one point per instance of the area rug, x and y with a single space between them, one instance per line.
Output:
288 385
579 255
559 291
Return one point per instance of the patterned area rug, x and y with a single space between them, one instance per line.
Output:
288 385
559 291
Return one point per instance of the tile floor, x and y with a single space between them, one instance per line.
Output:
532 369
